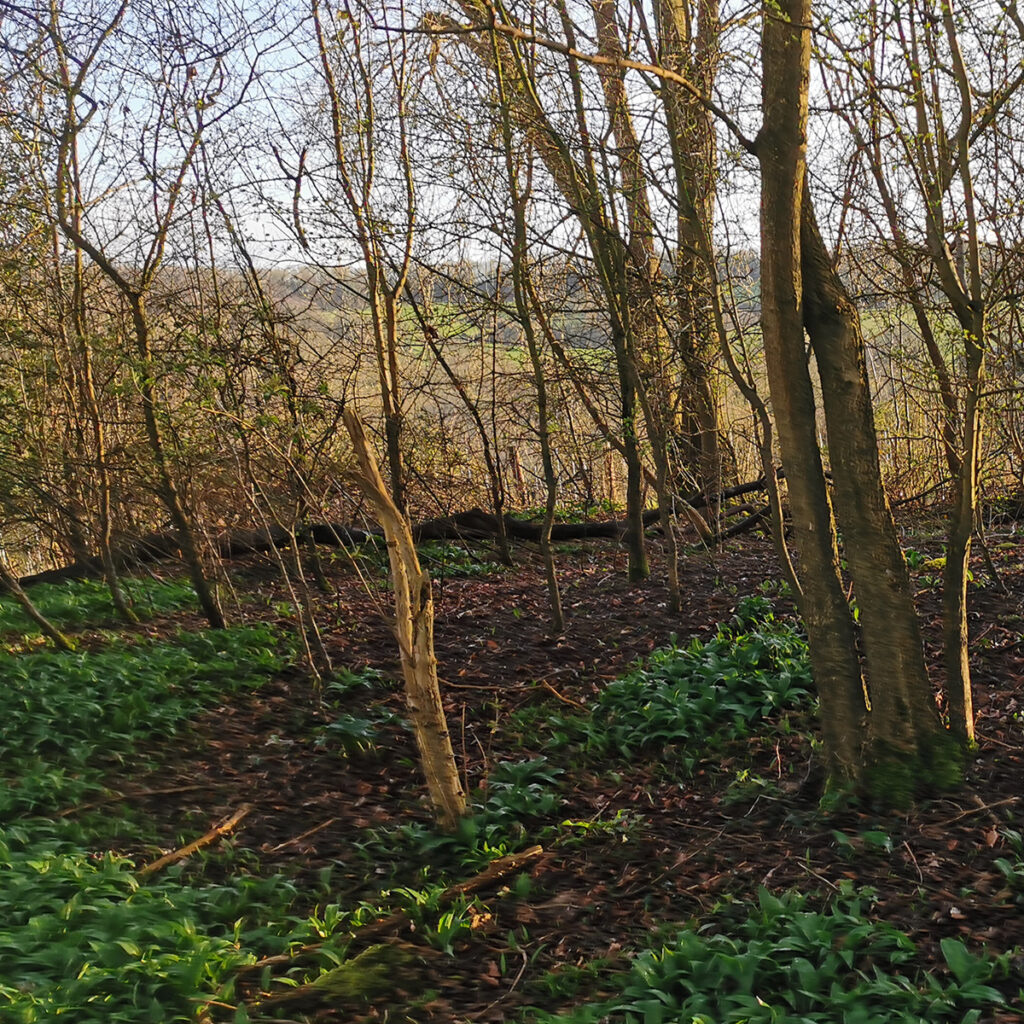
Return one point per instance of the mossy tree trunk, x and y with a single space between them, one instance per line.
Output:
906 745
781 150
900 748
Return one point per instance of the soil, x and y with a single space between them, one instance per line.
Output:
750 817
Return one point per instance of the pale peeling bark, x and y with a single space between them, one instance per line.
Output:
414 631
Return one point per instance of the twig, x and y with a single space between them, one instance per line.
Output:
921 494
494 872
493 687
565 700
999 743
480 1014
978 810
215 833
917 867
1009 645
465 755
305 835
811 871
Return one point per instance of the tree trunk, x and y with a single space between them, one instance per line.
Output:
414 631
10 582
781 151
905 728
960 702
688 33
168 489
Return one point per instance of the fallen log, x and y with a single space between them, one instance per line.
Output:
163 547
473 524
755 518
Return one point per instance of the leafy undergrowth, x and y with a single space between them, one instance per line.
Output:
81 603
682 699
80 937
69 716
83 939
678 817
784 960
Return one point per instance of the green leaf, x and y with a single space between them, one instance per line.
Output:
960 961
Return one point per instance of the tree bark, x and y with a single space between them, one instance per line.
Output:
167 487
904 724
414 631
781 151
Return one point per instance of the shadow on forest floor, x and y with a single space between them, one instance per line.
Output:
635 845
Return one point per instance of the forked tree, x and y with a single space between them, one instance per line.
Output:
881 727
181 81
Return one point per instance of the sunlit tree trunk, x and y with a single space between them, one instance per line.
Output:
519 194
9 582
165 200
345 64
414 631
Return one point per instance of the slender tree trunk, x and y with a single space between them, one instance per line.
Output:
90 399
958 547
489 450
68 187
688 34
665 518
10 582
615 259
551 490
390 377
636 547
519 195
414 631
169 492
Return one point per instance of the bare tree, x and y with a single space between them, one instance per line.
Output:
178 66
927 129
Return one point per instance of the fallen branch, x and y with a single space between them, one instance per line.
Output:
495 872
215 833
747 523
565 700
305 835
913 498
980 809
699 499
366 977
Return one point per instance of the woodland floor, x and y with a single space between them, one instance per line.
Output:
748 818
